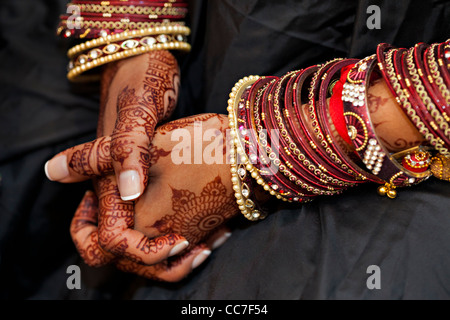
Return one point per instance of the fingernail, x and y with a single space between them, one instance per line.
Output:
220 241
56 169
178 248
129 185
200 258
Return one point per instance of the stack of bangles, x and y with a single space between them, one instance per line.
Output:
116 30
309 133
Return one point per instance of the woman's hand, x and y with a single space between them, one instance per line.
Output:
136 94
183 201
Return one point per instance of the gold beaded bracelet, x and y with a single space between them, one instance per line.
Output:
238 155
73 74
129 34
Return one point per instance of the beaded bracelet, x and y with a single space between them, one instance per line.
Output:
237 154
126 35
242 182
74 73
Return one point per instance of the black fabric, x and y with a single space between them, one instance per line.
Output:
318 251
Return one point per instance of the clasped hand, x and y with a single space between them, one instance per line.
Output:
149 215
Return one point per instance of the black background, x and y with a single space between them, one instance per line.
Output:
318 251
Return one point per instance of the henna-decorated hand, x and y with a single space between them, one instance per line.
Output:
192 200
136 94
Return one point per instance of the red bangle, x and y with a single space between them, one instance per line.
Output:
319 166
274 179
422 111
420 53
442 55
305 169
350 160
374 155
283 175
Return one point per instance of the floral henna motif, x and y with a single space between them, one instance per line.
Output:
197 216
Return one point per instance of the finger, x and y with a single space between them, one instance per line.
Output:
168 271
81 162
83 230
116 233
130 142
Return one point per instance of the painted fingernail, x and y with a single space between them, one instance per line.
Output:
200 258
56 169
220 241
178 248
129 185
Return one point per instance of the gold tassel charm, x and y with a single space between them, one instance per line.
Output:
387 190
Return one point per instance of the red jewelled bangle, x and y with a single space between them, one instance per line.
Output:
300 135
327 124
372 152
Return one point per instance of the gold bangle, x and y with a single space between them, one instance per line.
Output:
129 34
76 71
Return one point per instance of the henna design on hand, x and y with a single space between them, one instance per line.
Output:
196 216
84 163
375 102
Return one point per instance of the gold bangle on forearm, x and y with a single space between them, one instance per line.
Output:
169 30
76 71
